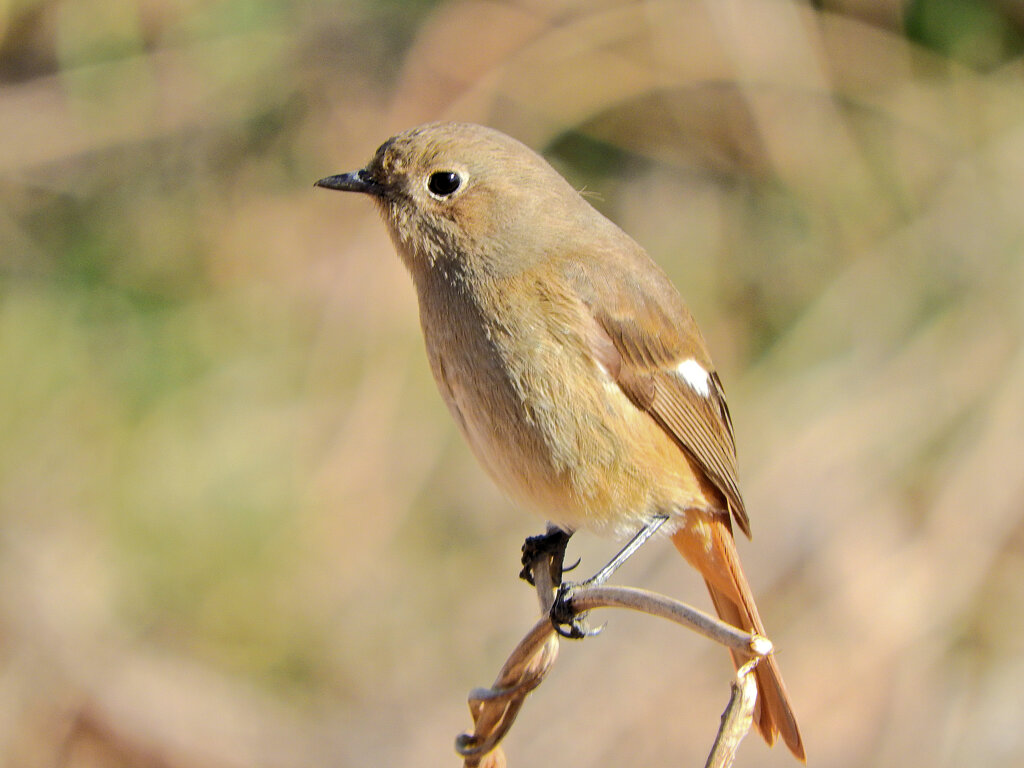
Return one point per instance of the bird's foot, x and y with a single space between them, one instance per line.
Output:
548 547
567 621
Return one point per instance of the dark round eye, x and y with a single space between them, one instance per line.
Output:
443 183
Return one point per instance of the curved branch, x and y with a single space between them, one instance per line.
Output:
645 601
495 709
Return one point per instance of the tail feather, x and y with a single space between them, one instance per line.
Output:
708 545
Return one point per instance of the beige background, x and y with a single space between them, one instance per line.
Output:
236 525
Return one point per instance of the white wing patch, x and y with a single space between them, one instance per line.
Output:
693 373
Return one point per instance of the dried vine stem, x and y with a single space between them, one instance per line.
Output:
737 718
494 709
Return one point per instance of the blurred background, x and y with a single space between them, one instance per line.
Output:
237 527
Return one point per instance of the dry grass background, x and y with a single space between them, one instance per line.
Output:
236 526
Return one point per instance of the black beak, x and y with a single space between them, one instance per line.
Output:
360 181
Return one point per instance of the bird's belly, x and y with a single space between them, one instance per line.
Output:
561 439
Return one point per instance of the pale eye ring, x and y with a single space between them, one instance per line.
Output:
444 183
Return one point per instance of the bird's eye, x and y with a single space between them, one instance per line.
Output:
443 183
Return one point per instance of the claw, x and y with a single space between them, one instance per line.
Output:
566 621
577 630
551 544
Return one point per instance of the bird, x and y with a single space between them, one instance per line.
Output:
568 359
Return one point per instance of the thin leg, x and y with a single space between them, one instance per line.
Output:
627 551
570 624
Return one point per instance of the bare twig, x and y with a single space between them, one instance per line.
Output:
494 709
737 718
702 623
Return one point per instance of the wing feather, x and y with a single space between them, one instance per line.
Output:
644 331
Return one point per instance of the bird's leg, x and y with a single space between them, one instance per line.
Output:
551 543
568 623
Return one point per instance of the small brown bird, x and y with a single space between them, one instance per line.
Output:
568 359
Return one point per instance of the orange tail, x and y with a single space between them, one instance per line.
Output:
708 545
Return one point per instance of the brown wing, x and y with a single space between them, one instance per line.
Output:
648 333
